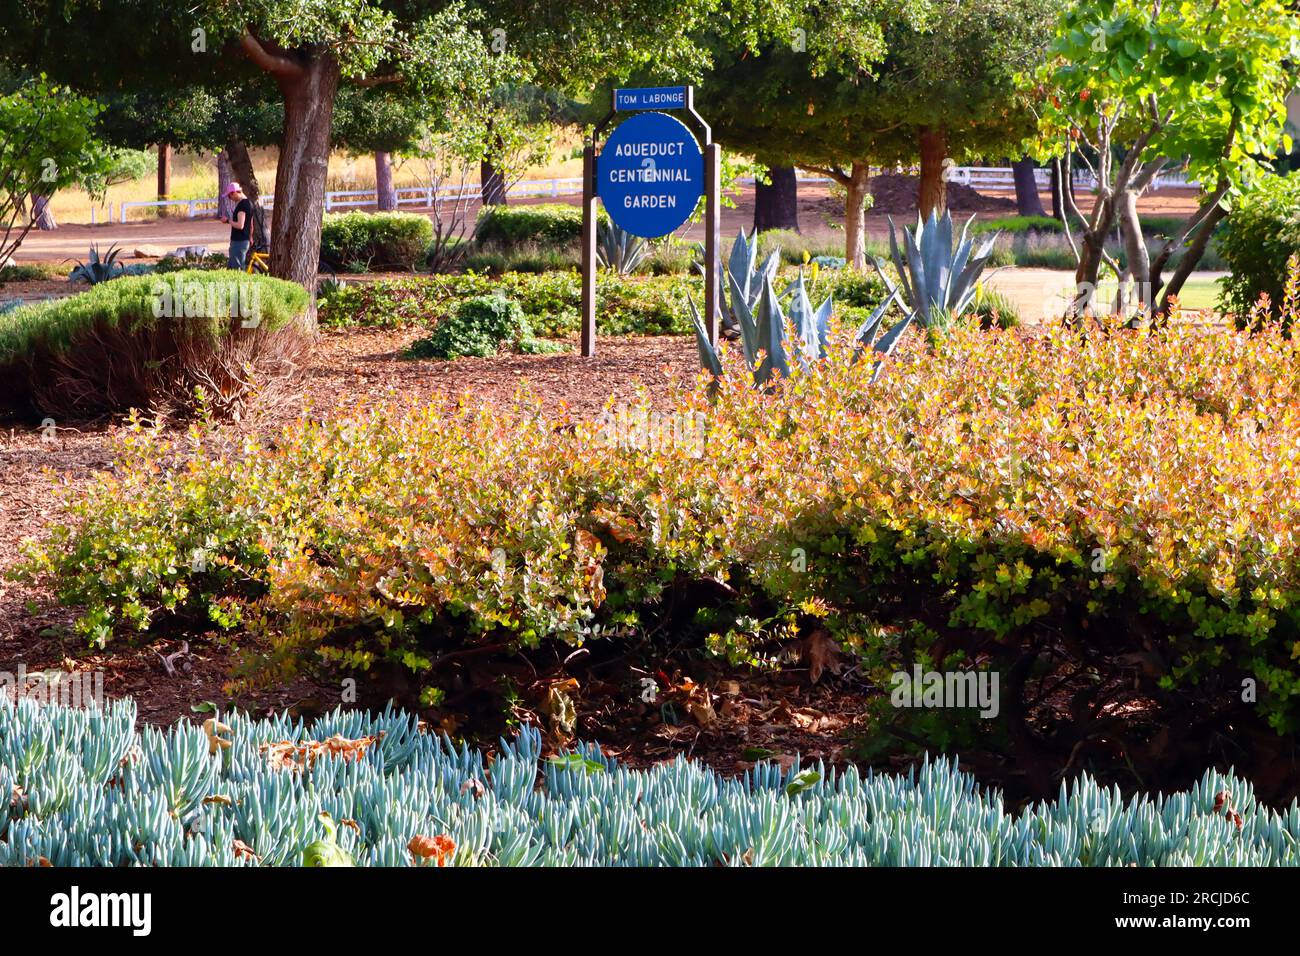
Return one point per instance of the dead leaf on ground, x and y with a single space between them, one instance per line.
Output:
286 755
698 703
822 653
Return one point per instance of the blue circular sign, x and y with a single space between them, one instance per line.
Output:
650 175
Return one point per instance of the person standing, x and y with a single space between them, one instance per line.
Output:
241 227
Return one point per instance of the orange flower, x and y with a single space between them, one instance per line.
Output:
438 848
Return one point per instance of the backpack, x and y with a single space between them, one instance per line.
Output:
260 241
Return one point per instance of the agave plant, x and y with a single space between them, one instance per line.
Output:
741 281
618 249
936 281
95 269
765 326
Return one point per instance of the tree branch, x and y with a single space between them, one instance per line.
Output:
272 63
838 175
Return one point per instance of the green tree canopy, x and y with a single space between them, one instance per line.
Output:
47 143
1147 87
945 85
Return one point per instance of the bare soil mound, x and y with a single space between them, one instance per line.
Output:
896 194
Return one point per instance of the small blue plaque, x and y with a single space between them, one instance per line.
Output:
651 98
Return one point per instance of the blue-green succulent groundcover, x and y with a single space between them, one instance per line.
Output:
87 787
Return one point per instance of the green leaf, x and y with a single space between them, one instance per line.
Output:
805 780
323 853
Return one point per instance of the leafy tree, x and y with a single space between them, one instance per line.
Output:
943 83
46 144
447 51
380 121
1150 86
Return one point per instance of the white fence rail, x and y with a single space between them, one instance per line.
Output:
406 196
1003 178
979 177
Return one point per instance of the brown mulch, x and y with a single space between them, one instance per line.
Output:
37 290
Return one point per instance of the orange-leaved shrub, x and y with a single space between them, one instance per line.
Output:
1122 508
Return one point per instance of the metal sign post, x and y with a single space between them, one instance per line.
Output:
654 172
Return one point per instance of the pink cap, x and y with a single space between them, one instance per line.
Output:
233 188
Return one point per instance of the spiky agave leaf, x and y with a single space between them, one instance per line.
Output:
822 323
618 249
867 330
916 263
966 283
749 335
770 321
804 321
937 243
885 346
709 360
909 294
740 264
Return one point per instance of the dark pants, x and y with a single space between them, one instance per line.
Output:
238 254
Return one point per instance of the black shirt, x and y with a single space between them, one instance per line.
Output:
245 206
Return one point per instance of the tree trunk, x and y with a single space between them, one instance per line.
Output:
855 215
301 171
1092 245
776 206
1027 201
1059 204
164 176
492 182
1191 259
933 193
241 165
385 193
41 214
225 176
1138 266
1058 197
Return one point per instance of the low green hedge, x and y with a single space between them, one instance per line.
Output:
545 224
551 301
378 240
125 342
96 791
